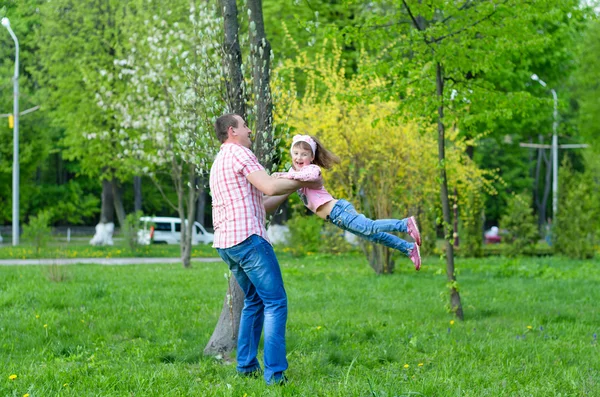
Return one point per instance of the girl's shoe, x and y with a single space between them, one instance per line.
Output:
413 230
415 256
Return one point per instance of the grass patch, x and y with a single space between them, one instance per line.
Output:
530 330
61 250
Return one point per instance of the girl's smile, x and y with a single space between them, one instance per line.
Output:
301 157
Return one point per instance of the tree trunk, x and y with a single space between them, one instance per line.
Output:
260 50
137 193
380 258
233 59
224 337
201 202
455 210
454 295
107 213
186 207
118 201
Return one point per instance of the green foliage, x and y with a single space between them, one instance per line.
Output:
522 231
130 230
576 227
333 241
471 227
38 230
115 331
586 82
304 234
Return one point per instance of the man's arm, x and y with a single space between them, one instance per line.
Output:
273 202
278 186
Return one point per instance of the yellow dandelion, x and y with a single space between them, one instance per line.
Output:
451 322
319 327
529 327
37 316
420 364
245 394
45 325
65 385
406 365
12 377
83 321
26 395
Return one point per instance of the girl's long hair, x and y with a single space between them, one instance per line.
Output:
323 157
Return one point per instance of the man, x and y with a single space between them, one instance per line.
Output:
237 184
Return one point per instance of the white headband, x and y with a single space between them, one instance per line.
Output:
307 139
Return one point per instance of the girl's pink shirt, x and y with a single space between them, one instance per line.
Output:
312 198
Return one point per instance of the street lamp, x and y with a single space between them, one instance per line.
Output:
554 147
15 214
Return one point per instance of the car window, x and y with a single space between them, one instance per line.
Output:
198 230
178 227
162 226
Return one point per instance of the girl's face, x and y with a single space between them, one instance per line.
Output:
301 157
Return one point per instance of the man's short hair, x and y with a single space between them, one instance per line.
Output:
222 125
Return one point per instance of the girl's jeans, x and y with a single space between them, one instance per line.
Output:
344 216
255 267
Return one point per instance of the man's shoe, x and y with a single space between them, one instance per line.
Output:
281 381
251 374
413 230
415 257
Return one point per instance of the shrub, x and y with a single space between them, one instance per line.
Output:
576 225
130 230
38 230
522 231
304 234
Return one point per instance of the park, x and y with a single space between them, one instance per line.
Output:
478 118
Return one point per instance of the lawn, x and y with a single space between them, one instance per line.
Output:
530 330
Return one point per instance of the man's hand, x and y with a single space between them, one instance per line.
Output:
316 184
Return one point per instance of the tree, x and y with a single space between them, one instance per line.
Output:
388 167
165 117
79 40
224 337
449 62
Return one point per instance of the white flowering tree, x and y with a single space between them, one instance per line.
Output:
174 79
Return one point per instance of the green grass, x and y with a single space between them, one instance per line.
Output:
530 330
80 249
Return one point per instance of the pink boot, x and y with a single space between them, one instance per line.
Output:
415 256
413 230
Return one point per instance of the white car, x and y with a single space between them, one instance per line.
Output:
167 230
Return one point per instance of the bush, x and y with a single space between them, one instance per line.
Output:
576 225
305 234
38 230
522 231
471 236
130 230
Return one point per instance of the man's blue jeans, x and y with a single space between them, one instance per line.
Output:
344 216
255 267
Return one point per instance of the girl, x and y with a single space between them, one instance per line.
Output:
307 150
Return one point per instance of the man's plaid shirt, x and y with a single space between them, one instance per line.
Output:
238 207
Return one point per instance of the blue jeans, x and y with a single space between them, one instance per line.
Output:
255 267
344 216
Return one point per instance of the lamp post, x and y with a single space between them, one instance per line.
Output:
15 208
554 146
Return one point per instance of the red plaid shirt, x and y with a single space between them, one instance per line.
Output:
238 207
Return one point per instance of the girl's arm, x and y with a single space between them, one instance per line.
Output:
310 173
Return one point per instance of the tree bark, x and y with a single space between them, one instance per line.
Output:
260 50
107 213
201 202
137 193
224 338
118 202
233 59
454 295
